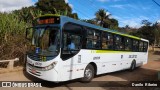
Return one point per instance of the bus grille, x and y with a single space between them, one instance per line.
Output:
35 57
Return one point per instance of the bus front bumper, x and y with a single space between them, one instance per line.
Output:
50 75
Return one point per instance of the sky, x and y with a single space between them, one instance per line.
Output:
127 12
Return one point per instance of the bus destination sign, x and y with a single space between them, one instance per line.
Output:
48 20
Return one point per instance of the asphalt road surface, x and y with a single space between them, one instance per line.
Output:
148 72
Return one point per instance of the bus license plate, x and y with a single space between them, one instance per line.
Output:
33 71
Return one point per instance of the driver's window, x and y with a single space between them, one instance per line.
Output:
71 40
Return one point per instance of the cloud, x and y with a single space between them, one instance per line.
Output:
131 21
108 13
103 0
158 21
117 0
66 1
71 5
9 5
119 6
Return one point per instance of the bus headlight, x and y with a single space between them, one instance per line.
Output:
49 67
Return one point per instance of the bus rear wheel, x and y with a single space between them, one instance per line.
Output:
88 74
133 65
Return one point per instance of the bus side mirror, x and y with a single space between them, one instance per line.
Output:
29 33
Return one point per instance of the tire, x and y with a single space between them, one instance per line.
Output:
133 66
88 74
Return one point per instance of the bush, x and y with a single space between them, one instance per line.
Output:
12 37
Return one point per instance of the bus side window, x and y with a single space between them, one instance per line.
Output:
89 38
128 44
97 42
145 47
93 39
89 44
140 46
104 41
119 42
135 46
110 41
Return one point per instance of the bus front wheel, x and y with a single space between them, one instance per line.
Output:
88 74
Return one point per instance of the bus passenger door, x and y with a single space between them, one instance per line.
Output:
71 44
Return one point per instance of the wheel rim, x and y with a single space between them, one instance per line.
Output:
88 73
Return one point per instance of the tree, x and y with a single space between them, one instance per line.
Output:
47 6
24 14
59 7
113 24
91 21
156 27
146 22
102 17
146 32
27 14
55 7
73 15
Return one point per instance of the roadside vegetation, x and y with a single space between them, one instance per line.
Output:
13 25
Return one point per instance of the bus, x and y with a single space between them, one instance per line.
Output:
62 49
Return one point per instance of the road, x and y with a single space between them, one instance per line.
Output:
147 72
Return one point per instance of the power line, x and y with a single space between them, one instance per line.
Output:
82 12
85 5
156 3
91 7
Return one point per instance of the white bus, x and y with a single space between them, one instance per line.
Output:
63 49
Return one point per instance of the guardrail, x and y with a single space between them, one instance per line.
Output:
11 62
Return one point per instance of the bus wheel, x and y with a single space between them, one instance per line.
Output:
88 74
133 65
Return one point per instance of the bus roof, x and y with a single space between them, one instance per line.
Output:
68 19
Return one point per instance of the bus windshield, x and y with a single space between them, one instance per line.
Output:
45 41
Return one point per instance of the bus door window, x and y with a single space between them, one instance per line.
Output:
71 43
71 40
